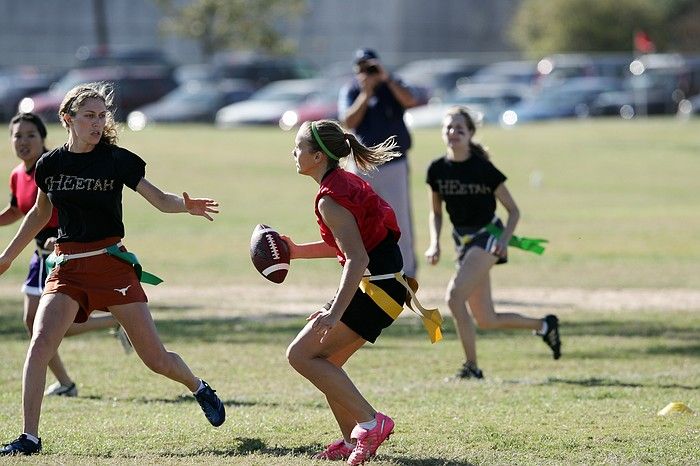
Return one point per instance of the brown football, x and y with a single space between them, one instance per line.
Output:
269 253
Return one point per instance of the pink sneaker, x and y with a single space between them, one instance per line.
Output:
335 451
369 440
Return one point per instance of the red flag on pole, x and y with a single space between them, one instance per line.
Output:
643 43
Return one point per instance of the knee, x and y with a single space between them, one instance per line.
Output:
454 299
297 358
293 356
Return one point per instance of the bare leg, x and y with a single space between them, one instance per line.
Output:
342 416
55 314
31 303
138 323
481 305
311 358
475 266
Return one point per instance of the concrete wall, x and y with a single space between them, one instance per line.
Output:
47 32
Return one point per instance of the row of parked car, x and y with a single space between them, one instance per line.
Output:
237 90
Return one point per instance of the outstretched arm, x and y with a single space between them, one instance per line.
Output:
172 203
33 222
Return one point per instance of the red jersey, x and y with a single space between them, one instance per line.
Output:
374 217
23 188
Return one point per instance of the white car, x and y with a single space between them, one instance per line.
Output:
266 106
485 103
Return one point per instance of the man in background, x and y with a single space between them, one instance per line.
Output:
372 105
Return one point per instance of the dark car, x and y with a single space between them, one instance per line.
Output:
119 55
520 72
260 70
134 86
193 101
436 77
17 84
572 98
657 84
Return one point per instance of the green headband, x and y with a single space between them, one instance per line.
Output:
320 143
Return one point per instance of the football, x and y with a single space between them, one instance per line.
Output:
269 253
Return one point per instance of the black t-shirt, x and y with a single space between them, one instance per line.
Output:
467 188
87 189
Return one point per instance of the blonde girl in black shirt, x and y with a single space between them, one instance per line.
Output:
84 181
469 185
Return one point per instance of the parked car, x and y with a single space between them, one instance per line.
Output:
437 76
572 98
16 84
119 55
554 69
267 105
522 72
688 107
318 106
656 86
193 101
260 70
134 86
486 102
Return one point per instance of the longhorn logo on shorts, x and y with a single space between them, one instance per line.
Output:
123 290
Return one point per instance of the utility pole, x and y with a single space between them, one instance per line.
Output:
100 19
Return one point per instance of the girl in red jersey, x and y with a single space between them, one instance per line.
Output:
84 180
28 139
469 185
360 229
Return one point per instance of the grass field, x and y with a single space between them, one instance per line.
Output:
618 201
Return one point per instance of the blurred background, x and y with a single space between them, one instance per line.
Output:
281 62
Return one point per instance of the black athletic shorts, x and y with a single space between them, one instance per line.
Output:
362 315
484 240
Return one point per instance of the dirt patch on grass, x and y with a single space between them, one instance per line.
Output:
261 300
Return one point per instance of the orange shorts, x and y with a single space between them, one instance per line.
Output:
95 282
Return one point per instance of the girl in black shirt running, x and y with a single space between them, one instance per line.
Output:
84 181
469 185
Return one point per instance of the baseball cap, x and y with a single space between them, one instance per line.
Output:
364 55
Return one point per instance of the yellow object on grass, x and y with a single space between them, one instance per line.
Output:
675 408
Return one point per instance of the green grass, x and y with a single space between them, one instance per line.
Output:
596 405
618 201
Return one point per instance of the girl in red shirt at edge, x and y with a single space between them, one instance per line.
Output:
360 229
28 140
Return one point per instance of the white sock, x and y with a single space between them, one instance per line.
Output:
544 328
31 437
200 388
369 425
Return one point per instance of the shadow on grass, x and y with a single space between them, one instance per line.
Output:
606 382
246 446
178 400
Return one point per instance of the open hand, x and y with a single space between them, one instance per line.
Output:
200 206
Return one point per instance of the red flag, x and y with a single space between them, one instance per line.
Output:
643 43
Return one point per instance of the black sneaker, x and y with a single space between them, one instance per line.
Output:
551 337
21 446
211 405
469 371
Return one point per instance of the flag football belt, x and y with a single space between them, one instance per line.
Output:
53 260
535 245
431 317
